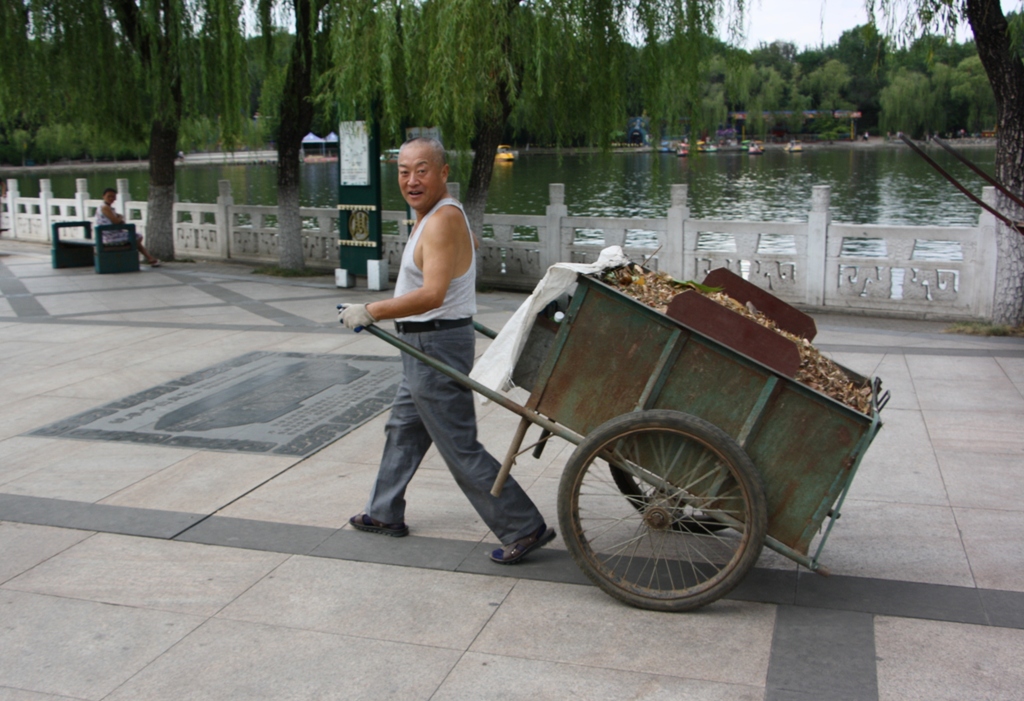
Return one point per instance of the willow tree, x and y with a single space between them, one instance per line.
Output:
294 111
127 69
476 68
909 104
972 89
1005 70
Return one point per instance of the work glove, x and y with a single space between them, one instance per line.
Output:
355 316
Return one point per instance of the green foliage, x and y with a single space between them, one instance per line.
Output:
111 67
928 102
863 51
272 71
21 140
970 86
779 56
907 103
222 90
826 84
199 134
572 71
559 64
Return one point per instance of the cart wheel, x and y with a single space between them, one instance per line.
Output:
633 548
640 494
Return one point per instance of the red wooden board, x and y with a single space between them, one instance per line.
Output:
786 317
735 331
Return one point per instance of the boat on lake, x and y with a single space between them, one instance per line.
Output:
683 149
755 149
794 147
505 153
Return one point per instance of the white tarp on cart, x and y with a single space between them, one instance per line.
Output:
494 369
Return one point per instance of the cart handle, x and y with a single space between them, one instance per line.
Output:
527 415
494 396
490 333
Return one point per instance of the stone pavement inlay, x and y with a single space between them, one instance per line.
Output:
261 402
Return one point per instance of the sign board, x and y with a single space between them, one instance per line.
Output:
354 153
359 199
428 132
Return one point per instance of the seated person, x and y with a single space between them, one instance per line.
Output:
106 215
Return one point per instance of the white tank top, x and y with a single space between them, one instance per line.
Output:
460 300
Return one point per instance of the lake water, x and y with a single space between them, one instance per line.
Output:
869 185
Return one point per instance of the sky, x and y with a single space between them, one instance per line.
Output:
802 22
807 23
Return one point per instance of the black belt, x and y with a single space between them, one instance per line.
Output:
432 325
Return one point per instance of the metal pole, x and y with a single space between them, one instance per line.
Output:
982 174
496 397
1016 226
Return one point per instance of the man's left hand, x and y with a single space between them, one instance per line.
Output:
355 316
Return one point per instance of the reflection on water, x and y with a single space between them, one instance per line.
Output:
937 250
869 186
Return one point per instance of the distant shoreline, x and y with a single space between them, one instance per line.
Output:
875 142
240 157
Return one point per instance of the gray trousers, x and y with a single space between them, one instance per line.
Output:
433 408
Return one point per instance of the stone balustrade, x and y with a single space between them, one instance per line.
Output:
923 272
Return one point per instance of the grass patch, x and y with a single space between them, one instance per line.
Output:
278 271
981 328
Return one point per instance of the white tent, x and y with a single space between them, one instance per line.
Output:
312 138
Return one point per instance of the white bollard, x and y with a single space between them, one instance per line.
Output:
344 278
377 274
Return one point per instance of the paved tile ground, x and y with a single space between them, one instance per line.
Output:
137 571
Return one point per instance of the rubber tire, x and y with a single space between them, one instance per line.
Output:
700 438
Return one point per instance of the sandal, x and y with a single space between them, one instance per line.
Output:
513 553
363 522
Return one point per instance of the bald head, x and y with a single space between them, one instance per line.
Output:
432 146
422 174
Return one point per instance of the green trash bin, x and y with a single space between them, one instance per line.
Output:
117 249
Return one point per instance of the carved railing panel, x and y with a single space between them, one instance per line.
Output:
772 256
901 269
196 232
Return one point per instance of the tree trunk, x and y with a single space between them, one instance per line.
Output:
289 221
475 201
296 119
488 138
163 144
1006 75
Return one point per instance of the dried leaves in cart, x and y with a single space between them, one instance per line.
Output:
656 290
